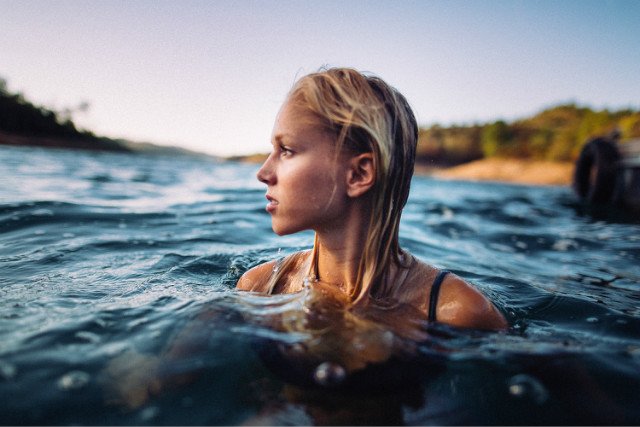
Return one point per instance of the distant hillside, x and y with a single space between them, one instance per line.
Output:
160 150
24 124
555 134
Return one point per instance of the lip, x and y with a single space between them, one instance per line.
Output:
272 205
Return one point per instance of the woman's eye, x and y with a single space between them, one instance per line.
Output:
285 151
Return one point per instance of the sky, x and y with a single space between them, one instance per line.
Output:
211 75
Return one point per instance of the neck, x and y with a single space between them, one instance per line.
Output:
339 251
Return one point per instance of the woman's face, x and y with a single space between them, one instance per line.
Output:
306 186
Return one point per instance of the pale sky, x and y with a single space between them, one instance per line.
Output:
211 75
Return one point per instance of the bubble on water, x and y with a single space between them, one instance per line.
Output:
592 319
148 414
525 386
329 374
7 371
73 380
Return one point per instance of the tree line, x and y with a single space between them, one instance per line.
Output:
19 116
41 126
556 134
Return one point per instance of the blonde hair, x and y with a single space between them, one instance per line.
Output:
366 115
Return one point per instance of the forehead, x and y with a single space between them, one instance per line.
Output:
296 116
299 128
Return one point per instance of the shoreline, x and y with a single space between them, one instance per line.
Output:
515 171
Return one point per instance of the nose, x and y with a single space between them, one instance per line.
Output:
266 174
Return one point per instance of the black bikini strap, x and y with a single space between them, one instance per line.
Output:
433 297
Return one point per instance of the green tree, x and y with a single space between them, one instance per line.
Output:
497 138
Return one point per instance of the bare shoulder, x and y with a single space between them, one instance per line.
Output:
257 278
292 266
461 304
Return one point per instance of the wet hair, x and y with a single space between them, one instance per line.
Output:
366 115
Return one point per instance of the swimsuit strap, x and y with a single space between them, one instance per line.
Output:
433 297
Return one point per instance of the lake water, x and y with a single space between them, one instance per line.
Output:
117 302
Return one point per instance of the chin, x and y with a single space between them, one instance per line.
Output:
284 230
280 231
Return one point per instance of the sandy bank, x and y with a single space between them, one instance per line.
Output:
530 172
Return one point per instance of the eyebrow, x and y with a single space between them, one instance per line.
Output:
279 138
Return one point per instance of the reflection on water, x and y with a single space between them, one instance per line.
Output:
335 343
117 305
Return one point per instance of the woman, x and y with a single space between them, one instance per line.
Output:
343 156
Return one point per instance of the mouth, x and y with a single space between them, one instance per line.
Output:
272 205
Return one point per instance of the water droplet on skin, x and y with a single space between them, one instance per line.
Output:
525 386
73 380
329 374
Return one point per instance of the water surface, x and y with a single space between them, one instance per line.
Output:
117 303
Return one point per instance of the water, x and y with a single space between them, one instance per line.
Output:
117 303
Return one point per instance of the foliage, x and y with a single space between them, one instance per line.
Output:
19 116
557 133
449 146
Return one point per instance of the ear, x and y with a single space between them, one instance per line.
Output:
361 175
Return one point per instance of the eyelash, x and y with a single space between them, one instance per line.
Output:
285 151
